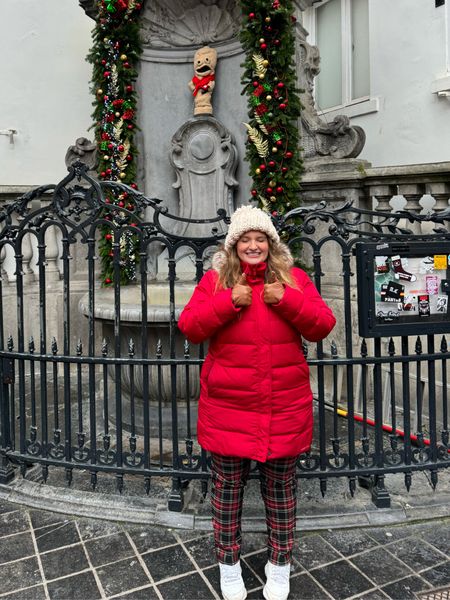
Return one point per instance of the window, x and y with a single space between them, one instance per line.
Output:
340 28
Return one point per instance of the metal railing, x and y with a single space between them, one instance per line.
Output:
99 379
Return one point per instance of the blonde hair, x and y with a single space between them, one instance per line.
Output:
230 269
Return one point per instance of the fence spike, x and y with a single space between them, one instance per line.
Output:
408 481
131 348
444 346
305 349
10 343
364 348
391 347
79 348
186 349
323 486
104 347
54 346
159 349
352 485
69 476
31 346
434 478
418 347
333 349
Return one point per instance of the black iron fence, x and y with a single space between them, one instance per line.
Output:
98 378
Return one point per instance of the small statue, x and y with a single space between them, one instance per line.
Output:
202 84
85 151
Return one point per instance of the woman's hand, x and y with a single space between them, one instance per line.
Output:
274 291
241 294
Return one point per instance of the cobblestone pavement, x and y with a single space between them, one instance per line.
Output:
44 555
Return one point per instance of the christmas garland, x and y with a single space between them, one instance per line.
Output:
269 80
115 55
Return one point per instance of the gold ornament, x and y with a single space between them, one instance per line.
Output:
265 63
260 68
106 157
274 150
258 171
267 19
99 91
261 76
122 175
262 40
117 114
272 183
273 198
123 57
269 98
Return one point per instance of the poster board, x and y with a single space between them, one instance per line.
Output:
403 288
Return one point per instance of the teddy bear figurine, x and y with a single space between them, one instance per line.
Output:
202 84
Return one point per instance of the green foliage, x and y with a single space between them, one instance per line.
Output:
115 55
269 80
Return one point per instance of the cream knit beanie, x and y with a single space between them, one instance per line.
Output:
249 218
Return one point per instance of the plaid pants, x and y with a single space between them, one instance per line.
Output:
279 492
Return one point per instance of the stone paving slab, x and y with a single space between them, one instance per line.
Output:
49 556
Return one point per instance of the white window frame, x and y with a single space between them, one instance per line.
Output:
350 107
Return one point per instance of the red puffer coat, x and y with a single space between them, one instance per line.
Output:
256 399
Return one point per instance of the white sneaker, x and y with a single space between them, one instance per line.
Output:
277 585
231 582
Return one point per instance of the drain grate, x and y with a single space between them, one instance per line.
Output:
437 594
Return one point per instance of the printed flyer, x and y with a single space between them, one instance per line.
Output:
411 286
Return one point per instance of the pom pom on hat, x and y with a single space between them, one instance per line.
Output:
249 218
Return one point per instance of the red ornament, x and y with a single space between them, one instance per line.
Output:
129 158
138 6
262 167
106 74
288 155
128 114
120 148
276 42
255 84
274 214
108 171
129 88
254 192
103 174
125 195
251 16
272 163
134 186
279 143
110 146
105 136
263 46
283 106
280 85
258 90
269 190
108 236
130 126
103 61
280 190
126 64
284 170
261 109
121 204
106 98
133 224
108 280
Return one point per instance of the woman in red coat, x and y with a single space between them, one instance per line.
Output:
256 400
